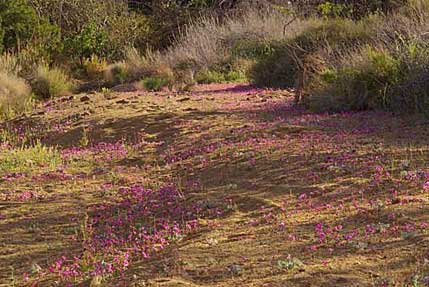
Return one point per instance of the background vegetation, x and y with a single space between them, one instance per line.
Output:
338 55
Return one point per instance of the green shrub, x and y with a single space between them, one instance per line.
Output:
412 92
90 40
155 83
356 9
252 49
278 69
287 60
21 28
49 83
334 10
372 80
104 28
208 77
235 77
213 76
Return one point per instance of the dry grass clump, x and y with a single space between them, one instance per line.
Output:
9 63
135 66
209 41
50 82
95 67
15 93
207 48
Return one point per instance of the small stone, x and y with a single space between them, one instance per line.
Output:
123 101
84 99
235 269
184 99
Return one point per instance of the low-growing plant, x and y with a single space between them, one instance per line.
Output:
50 82
28 158
155 83
106 92
289 263
235 77
208 77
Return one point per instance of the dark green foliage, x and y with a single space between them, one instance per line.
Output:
281 66
208 77
395 80
155 83
18 21
278 69
252 49
365 85
21 29
90 40
354 9
2 32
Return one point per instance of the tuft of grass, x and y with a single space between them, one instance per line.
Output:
135 66
139 65
28 158
95 67
49 83
116 73
15 96
9 63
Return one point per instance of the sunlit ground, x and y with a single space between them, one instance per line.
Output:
225 186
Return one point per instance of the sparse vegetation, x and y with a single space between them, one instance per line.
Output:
30 158
214 143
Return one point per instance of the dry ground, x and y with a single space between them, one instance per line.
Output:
263 193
